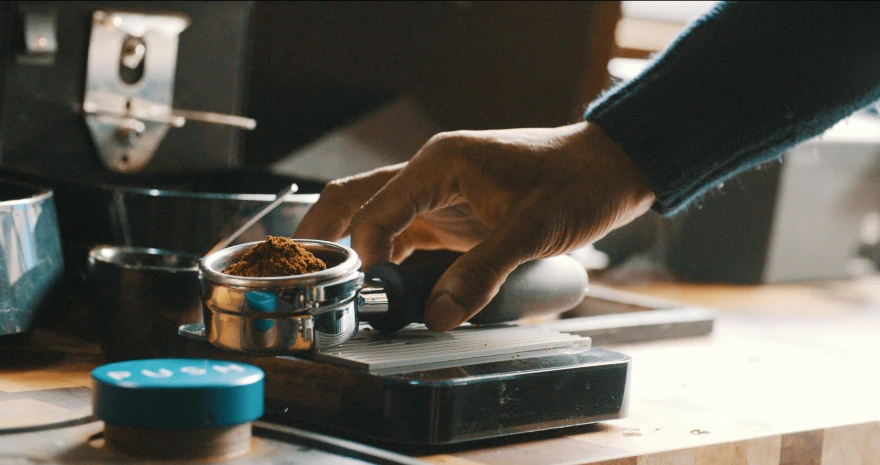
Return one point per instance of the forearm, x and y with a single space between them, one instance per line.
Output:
741 86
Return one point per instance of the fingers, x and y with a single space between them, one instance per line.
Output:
471 282
416 189
417 236
330 217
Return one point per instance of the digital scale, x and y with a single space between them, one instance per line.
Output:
416 387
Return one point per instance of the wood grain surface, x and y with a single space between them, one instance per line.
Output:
789 376
45 379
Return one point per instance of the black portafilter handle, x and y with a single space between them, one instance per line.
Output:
540 287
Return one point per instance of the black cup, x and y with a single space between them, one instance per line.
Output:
139 299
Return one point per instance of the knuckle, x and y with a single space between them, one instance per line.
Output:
346 195
480 278
363 221
334 189
335 198
448 142
359 220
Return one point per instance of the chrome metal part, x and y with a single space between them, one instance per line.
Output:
216 118
133 51
254 332
283 314
31 260
129 132
372 300
132 61
109 100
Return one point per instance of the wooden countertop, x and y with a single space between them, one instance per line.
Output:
789 376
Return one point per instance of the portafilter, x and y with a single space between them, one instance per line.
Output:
314 311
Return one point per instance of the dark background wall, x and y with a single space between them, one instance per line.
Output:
302 69
474 65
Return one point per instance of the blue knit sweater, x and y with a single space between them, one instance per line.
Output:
740 86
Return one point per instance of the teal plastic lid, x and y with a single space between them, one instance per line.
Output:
178 393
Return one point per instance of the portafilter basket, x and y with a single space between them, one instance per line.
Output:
314 311
281 314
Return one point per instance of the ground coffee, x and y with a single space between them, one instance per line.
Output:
276 256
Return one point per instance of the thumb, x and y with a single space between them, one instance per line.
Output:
469 284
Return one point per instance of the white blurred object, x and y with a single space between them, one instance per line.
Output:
591 258
672 12
626 68
392 134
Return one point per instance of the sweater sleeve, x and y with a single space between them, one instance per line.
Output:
740 86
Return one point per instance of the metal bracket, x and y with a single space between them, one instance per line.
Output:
129 89
118 112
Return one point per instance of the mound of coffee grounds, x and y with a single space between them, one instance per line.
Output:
277 256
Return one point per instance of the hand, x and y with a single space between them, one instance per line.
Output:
503 196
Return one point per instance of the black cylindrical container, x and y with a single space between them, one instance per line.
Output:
140 297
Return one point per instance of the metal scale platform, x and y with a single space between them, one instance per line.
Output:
420 388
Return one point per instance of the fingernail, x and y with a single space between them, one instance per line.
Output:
443 313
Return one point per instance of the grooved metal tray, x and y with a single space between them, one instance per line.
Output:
417 347
418 388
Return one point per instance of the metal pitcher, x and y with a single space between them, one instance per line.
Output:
31 261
